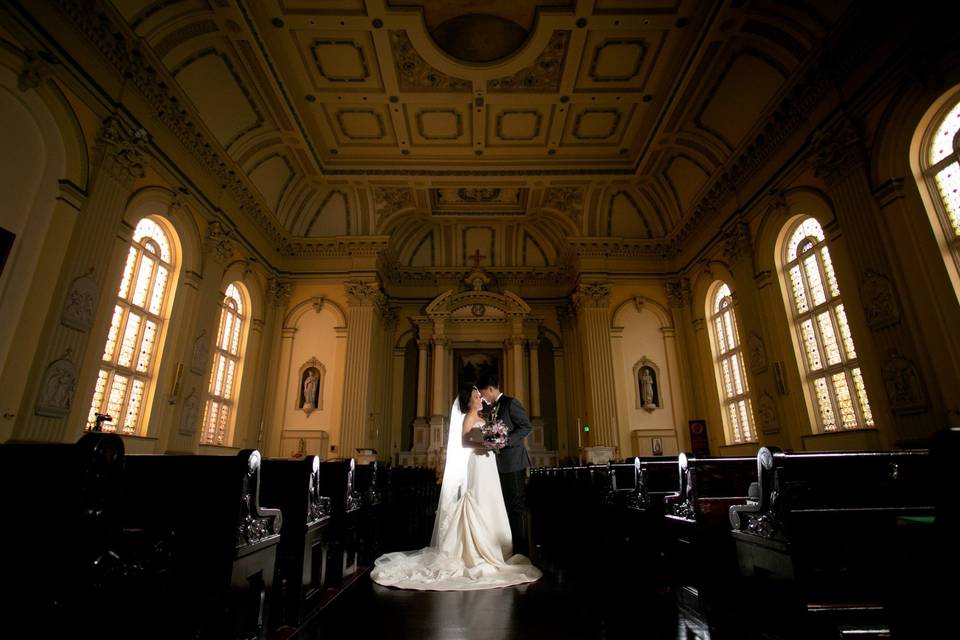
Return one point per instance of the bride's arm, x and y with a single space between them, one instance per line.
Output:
467 431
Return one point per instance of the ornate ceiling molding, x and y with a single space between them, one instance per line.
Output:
112 38
545 72
415 74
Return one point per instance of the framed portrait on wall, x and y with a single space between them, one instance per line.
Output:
471 365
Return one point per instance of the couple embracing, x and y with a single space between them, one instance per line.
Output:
479 522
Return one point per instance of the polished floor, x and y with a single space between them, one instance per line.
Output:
538 611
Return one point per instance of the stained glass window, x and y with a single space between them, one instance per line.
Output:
728 356
129 355
941 169
829 357
225 370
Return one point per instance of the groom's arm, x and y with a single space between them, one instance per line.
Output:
521 423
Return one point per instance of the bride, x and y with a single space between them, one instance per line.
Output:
471 545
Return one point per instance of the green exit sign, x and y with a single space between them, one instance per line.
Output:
586 428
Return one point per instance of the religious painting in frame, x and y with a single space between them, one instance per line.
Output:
471 365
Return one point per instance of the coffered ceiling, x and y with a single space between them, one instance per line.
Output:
504 126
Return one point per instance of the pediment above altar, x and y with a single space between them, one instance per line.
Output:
477 305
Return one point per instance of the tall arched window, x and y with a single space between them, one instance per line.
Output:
829 356
129 356
941 169
225 372
730 370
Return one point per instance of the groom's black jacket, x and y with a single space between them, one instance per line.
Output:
513 457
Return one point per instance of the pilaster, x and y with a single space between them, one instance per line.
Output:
97 248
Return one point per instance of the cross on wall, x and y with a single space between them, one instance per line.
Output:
477 257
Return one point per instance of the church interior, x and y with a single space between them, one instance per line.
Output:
714 240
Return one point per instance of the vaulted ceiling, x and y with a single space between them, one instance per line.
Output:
500 126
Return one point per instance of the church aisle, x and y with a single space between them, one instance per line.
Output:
541 610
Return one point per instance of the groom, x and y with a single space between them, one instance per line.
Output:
512 460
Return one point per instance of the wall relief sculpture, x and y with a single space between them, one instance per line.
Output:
81 303
903 385
879 300
56 390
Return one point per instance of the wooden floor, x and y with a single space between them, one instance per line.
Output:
541 610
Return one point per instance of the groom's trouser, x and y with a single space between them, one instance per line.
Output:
513 485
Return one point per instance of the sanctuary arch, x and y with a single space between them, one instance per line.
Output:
478 320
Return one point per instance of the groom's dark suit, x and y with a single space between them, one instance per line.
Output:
512 463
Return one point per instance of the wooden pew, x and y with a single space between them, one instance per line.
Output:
636 507
702 553
822 539
373 515
338 481
293 486
60 531
223 548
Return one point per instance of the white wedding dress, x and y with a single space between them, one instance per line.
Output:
471 547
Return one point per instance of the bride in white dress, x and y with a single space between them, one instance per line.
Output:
471 546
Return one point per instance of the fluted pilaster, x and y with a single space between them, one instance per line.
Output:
889 345
592 301
363 299
97 250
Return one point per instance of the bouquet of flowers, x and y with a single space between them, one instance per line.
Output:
494 435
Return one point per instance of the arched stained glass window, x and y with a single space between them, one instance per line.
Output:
828 355
225 372
130 353
940 164
730 369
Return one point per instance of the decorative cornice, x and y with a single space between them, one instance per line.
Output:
622 248
338 247
545 276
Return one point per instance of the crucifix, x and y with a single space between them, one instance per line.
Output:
477 258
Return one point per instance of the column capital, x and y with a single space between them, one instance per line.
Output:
441 342
737 243
218 243
838 150
592 295
37 69
278 292
120 151
514 341
363 294
678 293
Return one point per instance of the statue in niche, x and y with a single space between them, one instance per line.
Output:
649 388
309 390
